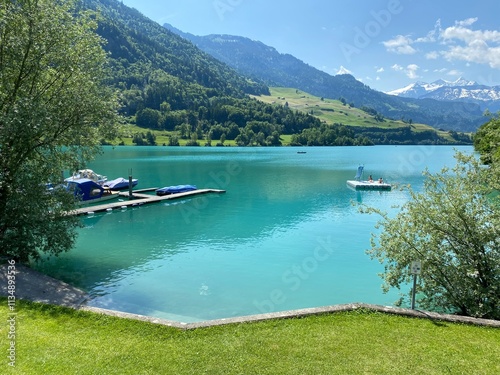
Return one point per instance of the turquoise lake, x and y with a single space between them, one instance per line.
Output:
286 234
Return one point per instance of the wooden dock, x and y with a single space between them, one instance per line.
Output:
139 199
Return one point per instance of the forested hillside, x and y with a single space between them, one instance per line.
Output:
166 84
262 62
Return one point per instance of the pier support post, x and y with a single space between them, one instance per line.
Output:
130 196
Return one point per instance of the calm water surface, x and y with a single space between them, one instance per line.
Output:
286 235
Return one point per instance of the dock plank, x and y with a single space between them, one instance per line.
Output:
140 199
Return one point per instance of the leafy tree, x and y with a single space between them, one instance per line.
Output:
138 139
53 112
151 138
173 141
148 118
453 227
487 141
222 139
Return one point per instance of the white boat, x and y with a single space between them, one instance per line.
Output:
87 174
359 184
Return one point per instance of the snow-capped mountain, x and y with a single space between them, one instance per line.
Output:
488 97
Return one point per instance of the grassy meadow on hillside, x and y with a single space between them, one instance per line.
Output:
328 111
334 111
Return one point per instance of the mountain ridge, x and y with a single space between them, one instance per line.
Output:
266 64
487 97
170 87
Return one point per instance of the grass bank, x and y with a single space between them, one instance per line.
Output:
55 340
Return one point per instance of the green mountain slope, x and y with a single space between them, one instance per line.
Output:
166 83
262 62
173 90
364 122
139 46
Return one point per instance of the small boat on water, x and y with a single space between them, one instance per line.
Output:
175 189
359 184
84 174
120 183
88 191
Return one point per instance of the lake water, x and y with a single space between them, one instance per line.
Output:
286 235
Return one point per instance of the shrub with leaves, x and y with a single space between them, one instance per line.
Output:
453 228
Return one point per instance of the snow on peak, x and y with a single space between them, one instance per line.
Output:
419 88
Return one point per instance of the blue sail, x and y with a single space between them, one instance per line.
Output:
360 172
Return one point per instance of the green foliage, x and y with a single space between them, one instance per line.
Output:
148 118
453 227
54 110
166 83
141 139
325 135
173 141
365 122
487 141
406 135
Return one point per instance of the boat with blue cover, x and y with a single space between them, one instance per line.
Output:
120 183
175 189
88 191
359 184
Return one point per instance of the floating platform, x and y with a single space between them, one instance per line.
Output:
366 185
139 200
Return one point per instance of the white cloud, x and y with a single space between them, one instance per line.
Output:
400 45
477 51
454 72
380 70
431 35
467 22
403 45
463 34
410 70
466 44
459 42
433 55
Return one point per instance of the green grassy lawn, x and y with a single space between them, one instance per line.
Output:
333 111
55 340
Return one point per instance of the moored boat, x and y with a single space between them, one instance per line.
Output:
87 191
84 174
175 189
120 183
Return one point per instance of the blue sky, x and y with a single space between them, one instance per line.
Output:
386 44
